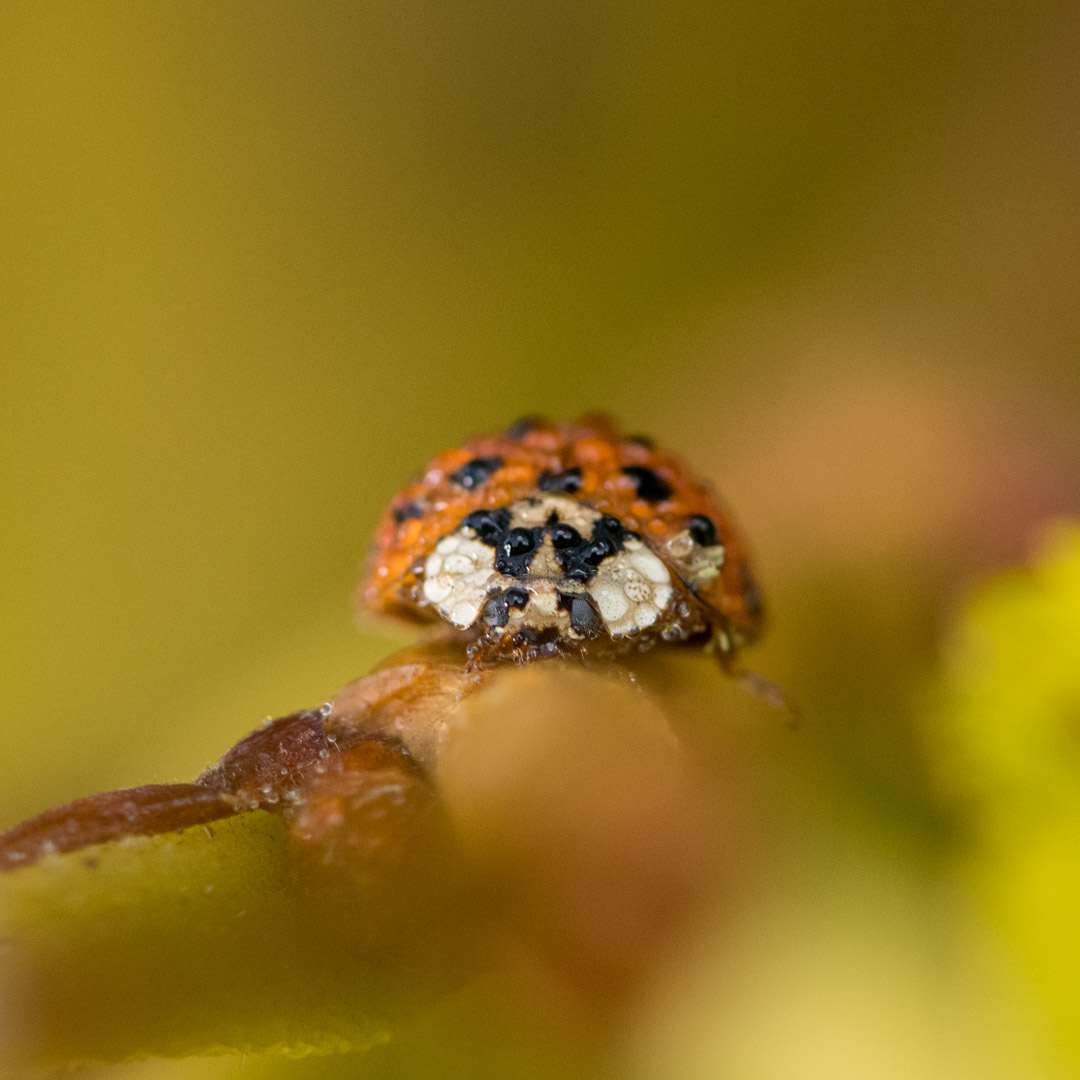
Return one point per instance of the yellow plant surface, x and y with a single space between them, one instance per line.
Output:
1008 742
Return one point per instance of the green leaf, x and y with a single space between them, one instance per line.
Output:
189 942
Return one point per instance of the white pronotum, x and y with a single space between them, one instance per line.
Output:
630 589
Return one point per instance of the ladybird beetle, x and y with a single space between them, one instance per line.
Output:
547 538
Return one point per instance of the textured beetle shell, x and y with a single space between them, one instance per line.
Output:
650 492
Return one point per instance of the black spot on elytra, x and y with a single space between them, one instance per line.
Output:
476 472
650 487
489 525
515 553
407 511
523 425
569 480
702 530
585 619
579 562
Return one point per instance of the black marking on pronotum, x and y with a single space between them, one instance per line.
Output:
515 553
585 619
569 480
476 472
650 487
702 530
522 426
489 525
579 562
407 511
641 440
564 536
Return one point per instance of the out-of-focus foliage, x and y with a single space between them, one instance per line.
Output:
180 944
570 802
1008 750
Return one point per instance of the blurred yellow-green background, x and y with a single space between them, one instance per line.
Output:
260 261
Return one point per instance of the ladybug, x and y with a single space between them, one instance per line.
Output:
548 538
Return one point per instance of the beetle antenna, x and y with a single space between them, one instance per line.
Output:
770 692
758 685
